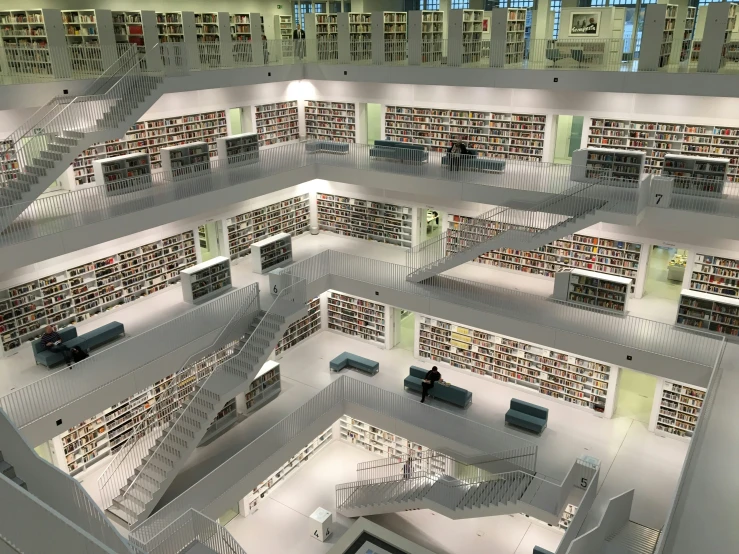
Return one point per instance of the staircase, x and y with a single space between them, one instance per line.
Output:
528 229
9 472
170 446
632 538
46 144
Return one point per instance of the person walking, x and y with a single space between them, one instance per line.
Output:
299 42
53 341
428 382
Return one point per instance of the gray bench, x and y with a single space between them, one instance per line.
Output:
540 550
400 151
448 393
472 161
527 416
86 342
347 359
329 146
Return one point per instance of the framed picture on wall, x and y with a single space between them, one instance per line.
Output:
585 24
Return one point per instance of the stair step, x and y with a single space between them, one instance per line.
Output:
127 505
51 155
144 481
43 162
138 494
7 469
73 134
36 170
122 515
20 482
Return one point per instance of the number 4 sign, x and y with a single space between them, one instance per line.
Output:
321 524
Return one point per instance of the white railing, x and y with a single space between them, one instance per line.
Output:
127 357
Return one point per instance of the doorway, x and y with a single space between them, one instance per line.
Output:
635 395
432 223
569 136
209 240
407 330
234 119
665 272
374 123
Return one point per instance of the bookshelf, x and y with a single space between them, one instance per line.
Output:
658 36
206 280
390 32
614 257
565 377
590 288
288 216
334 121
593 165
139 28
26 35
8 160
223 421
515 136
284 32
265 386
238 149
90 288
302 329
365 219
123 174
271 253
425 36
507 40
91 34
322 28
465 37
213 33
567 516
252 500
355 36
277 123
696 174
715 275
657 139
678 410
716 42
357 317
185 161
711 312
686 43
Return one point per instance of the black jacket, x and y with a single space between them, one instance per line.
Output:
432 376
298 34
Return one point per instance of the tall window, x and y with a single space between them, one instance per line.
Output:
556 7
460 4
431 4
299 10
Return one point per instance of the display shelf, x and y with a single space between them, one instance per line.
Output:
302 329
567 516
365 219
658 35
594 165
334 121
357 317
277 123
186 161
696 174
716 275
514 136
206 280
272 252
321 32
605 292
238 149
565 377
287 469
97 286
711 312
610 256
123 174
657 139
288 216
679 409
688 33
284 32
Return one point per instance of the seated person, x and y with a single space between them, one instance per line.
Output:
428 382
52 341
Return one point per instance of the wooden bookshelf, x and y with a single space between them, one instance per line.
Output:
290 216
365 219
238 149
302 329
357 317
680 406
334 121
715 275
123 174
565 377
271 253
90 288
277 123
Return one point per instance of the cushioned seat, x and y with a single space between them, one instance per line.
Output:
103 334
527 416
347 359
86 342
401 151
327 146
448 393
46 357
472 161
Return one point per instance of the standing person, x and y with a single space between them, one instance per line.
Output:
407 469
299 42
53 341
428 382
454 152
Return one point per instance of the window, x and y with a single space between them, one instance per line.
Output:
460 4
300 9
556 7
431 4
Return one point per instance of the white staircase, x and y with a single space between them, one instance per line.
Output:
9 472
529 229
168 447
46 144
632 538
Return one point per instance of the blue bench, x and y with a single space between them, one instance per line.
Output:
86 342
527 416
400 151
472 161
448 393
326 146
347 359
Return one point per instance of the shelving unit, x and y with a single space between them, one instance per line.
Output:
224 420
186 161
514 136
271 253
277 123
715 275
716 42
711 312
696 174
284 32
679 408
288 216
688 34
76 294
213 32
365 219
357 317
8 160
139 28
123 174
26 35
265 387
425 36
606 292
354 36
238 149
323 29
334 121
91 34
206 280
390 32
567 516
302 329
575 251
592 165
507 36
565 377
465 37
658 34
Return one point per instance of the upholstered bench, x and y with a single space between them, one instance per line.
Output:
473 162
400 151
527 416
448 393
329 146
86 342
347 359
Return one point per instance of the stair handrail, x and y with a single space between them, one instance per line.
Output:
138 437
289 296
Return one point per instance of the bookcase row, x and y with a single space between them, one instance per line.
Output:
677 409
302 329
335 121
356 317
